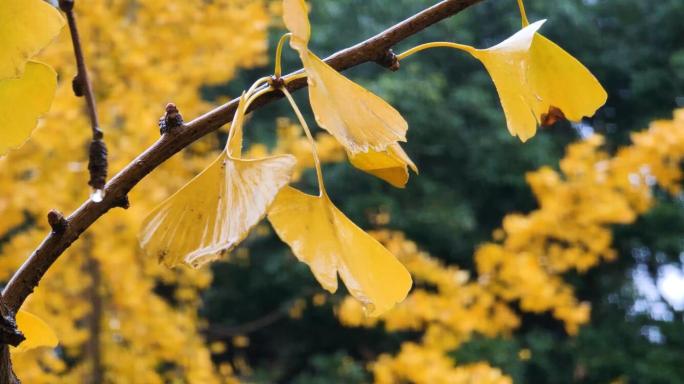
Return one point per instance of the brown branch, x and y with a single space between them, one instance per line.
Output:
97 164
374 49
7 375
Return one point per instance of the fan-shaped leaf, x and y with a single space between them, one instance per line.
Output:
321 236
26 26
22 101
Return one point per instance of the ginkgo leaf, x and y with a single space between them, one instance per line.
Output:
535 77
358 119
22 101
297 22
26 26
216 210
37 332
390 165
321 236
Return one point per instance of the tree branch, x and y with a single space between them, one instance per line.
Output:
375 49
97 164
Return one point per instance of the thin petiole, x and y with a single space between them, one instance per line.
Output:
261 81
249 96
292 78
436 44
258 94
523 14
278 71
314 151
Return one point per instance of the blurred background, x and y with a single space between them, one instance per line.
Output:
260 316
472 176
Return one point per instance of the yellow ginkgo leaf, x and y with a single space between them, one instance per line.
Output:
37 332
26 26
390 165
536 78
358 119
321 236
22 101
297 22
216 210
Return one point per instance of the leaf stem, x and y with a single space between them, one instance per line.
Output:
295 77
307 131
523 14
258 94
435 44
260 81
279 54
249 96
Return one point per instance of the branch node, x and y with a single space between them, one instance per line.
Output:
171 119
66 5
78 85
389 60
57 221
276 82
122 202
97 164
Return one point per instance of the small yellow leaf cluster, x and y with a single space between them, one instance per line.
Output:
422 365
139 57
448 307
570 231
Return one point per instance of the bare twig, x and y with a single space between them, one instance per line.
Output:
374 49
97 164
219 332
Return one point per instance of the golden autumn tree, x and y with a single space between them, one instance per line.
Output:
102 298
527 260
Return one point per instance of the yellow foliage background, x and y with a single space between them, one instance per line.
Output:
140 59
